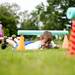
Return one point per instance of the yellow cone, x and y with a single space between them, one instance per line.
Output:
21 46
65 42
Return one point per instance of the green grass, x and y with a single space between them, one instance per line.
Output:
46 62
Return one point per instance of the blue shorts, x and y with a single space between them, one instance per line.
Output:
26 43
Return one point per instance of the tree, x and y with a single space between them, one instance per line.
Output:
28 21
54 17
29 25
9 18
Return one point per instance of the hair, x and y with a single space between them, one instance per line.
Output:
46 35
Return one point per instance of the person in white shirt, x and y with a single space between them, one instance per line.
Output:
45 41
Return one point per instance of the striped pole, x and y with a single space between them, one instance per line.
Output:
72 39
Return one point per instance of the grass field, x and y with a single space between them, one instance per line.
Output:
46 62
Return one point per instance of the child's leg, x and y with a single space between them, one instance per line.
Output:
11 42
28 42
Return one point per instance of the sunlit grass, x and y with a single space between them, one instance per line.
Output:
45 62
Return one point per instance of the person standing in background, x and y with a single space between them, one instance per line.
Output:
1 32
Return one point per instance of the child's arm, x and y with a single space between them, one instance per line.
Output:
54 45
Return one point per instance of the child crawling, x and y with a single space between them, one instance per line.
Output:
45 41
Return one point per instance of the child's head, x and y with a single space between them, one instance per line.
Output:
46 38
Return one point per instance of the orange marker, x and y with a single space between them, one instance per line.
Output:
21 46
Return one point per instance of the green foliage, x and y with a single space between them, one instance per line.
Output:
29 25
9 19
29 20
6 31
52 17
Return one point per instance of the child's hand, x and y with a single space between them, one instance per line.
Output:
57 46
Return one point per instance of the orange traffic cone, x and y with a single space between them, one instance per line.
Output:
21 46
65 42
